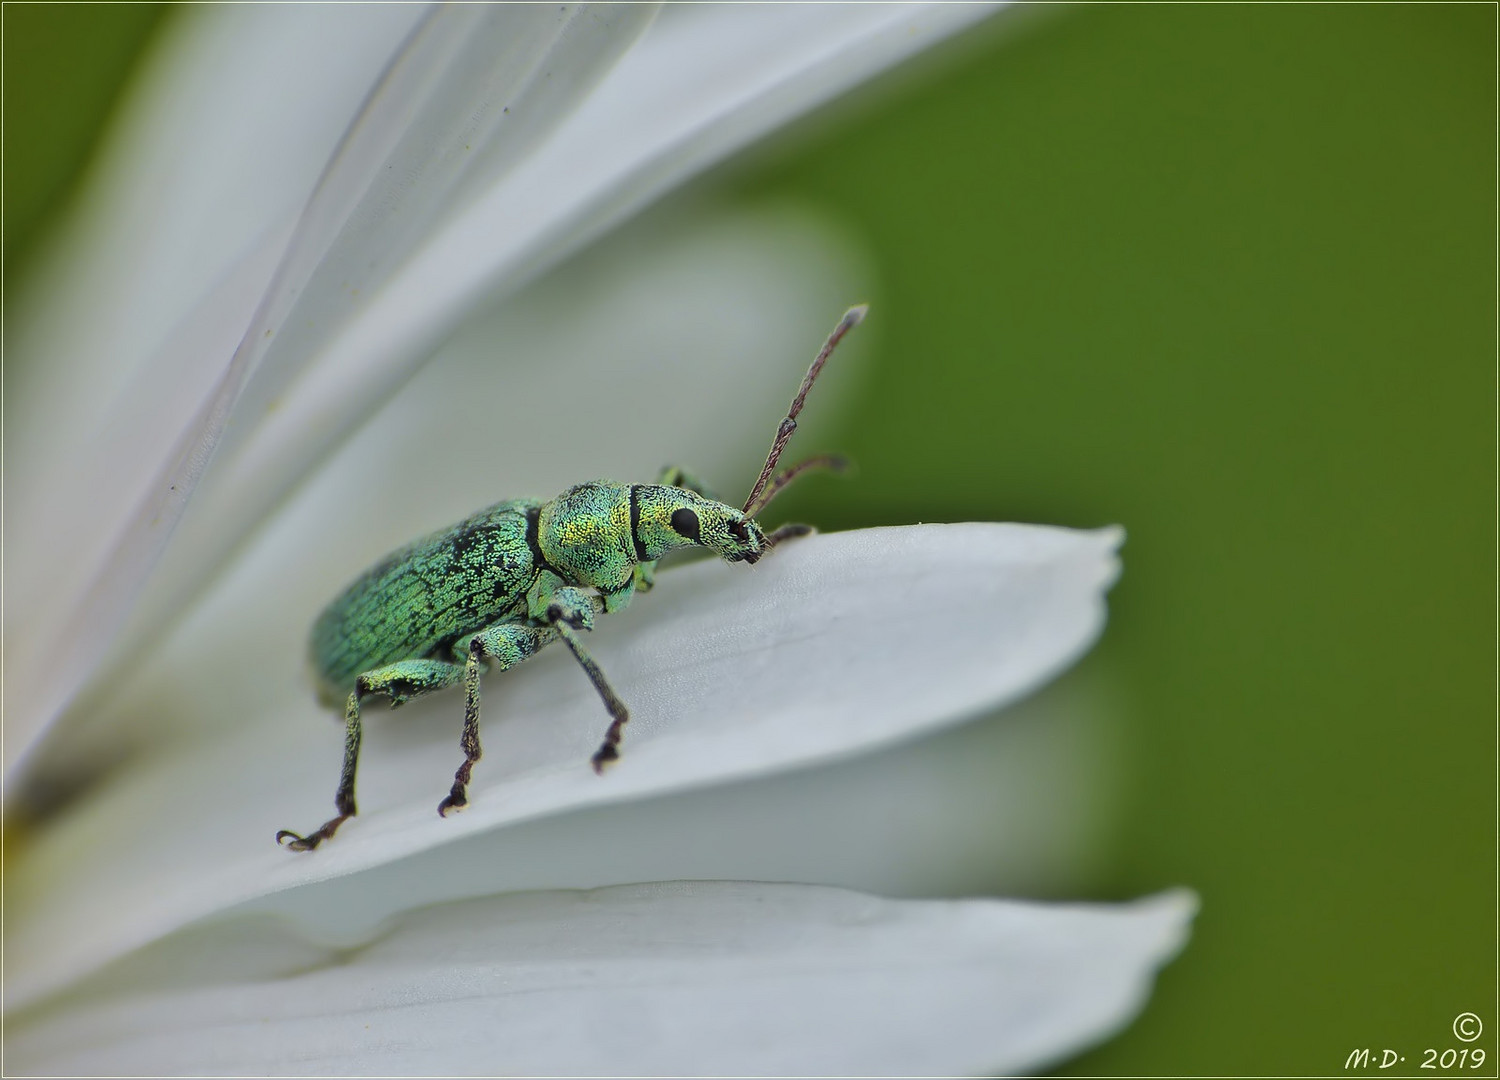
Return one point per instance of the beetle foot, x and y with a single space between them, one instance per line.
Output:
457 800
297 842
605 756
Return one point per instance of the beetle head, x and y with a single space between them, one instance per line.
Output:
670 517
663 518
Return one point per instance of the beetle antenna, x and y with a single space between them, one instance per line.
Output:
850 320
831 462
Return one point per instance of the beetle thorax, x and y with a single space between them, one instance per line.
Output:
585 534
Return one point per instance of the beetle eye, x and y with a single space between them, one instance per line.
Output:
685 524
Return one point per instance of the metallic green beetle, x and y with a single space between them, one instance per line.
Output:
499 586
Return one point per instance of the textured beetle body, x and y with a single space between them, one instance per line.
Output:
419 601
494 589
427 599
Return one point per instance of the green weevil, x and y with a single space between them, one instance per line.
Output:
504 583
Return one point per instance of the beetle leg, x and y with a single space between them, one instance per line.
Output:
504 646
790 531
399 682
568 609
609 749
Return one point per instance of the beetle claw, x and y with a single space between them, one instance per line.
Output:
605 756
452 804
295 842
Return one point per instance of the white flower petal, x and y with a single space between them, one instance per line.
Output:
838 644
173 242
473 92
710 82
663 979
198 168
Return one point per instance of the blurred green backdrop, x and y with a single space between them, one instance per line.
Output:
1227 275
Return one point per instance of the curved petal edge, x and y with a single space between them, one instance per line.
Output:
674 978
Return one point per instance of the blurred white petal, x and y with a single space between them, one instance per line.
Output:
840 643
710 81
172 243
666 979
200 165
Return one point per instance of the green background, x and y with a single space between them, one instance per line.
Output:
1226 275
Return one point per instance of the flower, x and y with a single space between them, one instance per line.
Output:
497 143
